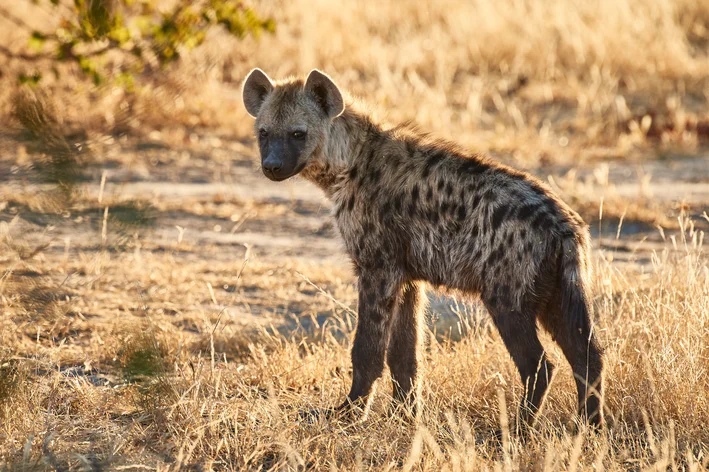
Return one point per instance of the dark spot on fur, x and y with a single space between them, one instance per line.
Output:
537 188
376 315
435 217
498 215
415 193
361 243
441 184
353 173
449 189
383 287
376 175
372 154
527 211
489 196
474 231
429 194
472 166
351 203
410 147
476 200
386 208
510 238
540 221
461 212
397 203
523 234
566 232
495 257
444 207
433 160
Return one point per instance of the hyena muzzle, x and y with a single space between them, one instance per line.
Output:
414 211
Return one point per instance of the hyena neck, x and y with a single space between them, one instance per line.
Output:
345 142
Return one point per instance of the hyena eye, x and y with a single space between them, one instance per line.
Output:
298 134
262 133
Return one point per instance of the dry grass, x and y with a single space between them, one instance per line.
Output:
187 330
170 389
532 81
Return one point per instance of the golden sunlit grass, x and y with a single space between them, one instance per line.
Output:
536 81
140 331
150 392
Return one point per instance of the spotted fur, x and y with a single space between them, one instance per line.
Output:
415 212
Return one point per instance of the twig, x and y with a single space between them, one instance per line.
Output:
333 299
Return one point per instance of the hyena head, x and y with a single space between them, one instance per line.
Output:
292 119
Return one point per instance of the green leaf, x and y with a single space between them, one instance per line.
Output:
37 40
126 81
120 34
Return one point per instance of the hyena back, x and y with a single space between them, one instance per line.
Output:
413 211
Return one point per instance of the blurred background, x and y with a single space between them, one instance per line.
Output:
131 197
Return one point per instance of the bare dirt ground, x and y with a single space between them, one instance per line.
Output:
203 216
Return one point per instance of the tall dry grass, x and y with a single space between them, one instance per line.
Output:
532 81
141 392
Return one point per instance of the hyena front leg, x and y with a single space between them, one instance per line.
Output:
405 344
378 296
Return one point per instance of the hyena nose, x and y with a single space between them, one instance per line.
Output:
272 168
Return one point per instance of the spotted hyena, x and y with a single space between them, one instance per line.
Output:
415 211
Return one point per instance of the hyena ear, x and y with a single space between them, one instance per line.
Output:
256 87
325 92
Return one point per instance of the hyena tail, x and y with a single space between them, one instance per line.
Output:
578 339
575 282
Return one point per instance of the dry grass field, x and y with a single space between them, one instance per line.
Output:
175 310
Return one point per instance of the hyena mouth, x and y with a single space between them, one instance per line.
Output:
280 175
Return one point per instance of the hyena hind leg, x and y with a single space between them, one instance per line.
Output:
580 347
518 330
405 344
